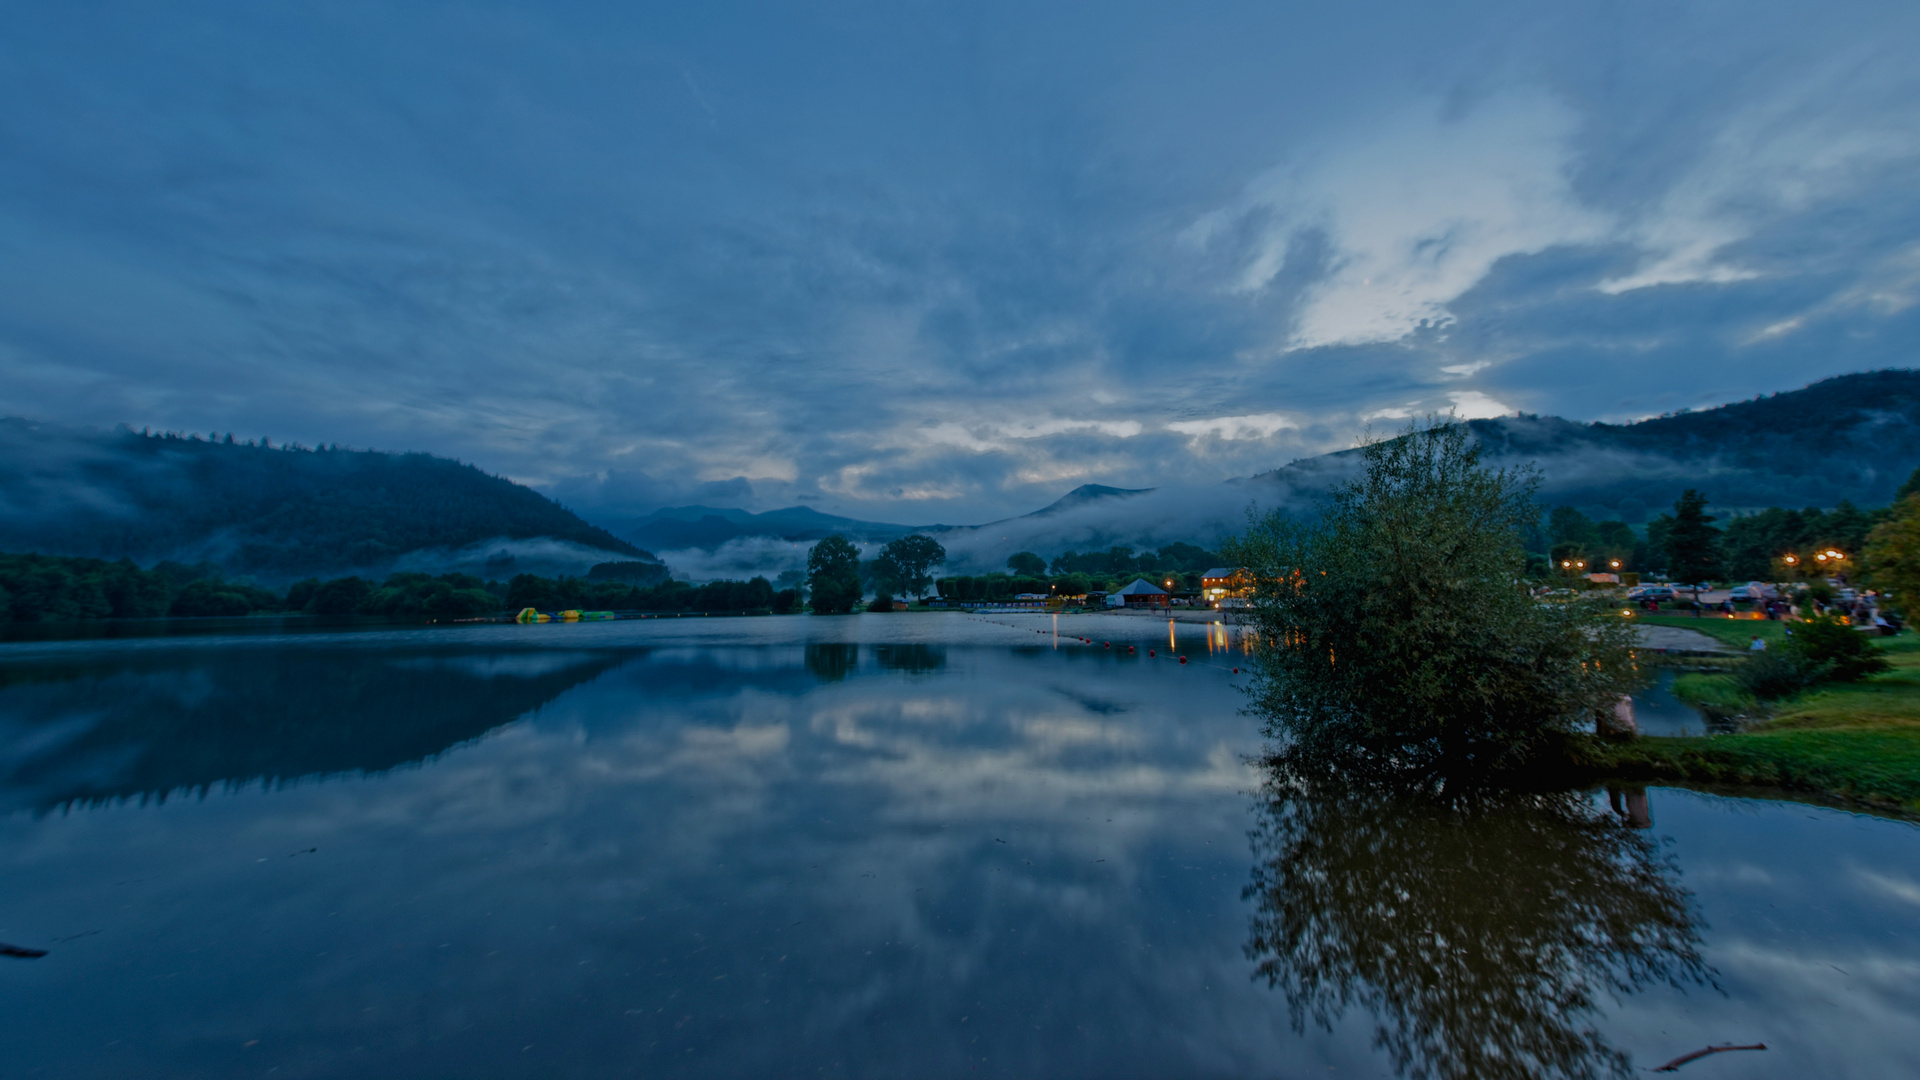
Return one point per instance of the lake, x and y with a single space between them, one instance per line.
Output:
866 846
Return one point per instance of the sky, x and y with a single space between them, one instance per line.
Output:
924 262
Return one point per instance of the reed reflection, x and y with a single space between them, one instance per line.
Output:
1481 931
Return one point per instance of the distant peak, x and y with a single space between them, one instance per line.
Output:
1084 494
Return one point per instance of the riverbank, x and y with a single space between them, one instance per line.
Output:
1853 741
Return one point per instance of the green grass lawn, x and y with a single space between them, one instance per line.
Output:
1737 633
1855 740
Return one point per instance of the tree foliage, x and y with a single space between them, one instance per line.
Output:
1026 564
833 575
1393 637
1692 543
1893 555
907 563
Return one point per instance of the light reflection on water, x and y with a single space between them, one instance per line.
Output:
870 846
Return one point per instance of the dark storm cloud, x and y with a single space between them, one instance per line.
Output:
937 263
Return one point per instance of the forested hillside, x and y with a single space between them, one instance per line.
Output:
1850 438
256 508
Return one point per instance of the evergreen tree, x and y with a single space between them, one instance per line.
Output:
1692 543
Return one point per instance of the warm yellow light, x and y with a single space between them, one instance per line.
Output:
1822 557
1790 560
1583 564
1615 564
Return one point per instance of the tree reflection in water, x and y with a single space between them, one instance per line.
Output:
1479 930
832 662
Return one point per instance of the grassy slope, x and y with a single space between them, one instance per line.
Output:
1859 741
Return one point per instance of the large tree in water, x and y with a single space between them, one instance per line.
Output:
1394 636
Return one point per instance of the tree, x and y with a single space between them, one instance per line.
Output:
1569 526
1911 487
1394 637
1027 564
1692 543
1893 555
907 563
833 575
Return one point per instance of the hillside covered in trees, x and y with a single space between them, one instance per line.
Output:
1850 438
256 508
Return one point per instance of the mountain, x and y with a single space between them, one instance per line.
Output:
1852 437
1082 496
276 512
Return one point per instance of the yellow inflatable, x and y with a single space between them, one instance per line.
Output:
528 615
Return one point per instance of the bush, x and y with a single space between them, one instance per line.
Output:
1845 653
883 602
1777 673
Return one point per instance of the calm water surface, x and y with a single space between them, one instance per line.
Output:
866 846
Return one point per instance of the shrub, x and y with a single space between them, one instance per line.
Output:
883 602
1778 673
1844 652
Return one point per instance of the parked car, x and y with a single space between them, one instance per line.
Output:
1650 592
1756 591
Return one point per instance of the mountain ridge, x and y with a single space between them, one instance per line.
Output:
271 511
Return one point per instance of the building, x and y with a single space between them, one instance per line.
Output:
1225 582
1142 593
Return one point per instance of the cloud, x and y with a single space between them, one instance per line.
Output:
1250 426
1415 209
1778 158
641 264
1474 405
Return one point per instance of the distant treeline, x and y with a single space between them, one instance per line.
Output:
52 588
256 507
1748 546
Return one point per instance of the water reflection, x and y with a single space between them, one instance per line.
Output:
832 661
143 726
915 659
1479 932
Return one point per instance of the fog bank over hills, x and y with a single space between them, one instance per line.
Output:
1854 437
277 512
